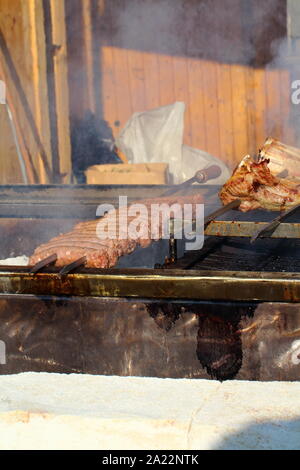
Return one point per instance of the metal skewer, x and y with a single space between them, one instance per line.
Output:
232 205
72 266
43 263
200 176
269 228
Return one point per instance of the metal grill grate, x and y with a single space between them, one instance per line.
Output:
237 254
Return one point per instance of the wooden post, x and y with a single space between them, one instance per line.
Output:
58 69
22 55
88 49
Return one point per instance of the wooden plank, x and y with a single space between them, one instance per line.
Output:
196 105
124 107
181 93
166 79
136 80
8 142
24 63
224 89
79 47
109 95
259 87
9 167
250 109
245 11
288 134
61 88
109 71
152 99
273 111
88 52
210 103
225 114
210 85
239 88
33 18
239 106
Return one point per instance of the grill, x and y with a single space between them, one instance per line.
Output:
227 311
228 245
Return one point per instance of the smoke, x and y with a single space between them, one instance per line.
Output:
283 61
231 31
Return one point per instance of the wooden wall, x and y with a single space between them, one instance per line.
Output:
22 63
24 67
232 104
230 109
117 64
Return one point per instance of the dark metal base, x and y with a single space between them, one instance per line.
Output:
157 339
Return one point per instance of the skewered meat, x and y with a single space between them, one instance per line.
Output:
84 238
254 184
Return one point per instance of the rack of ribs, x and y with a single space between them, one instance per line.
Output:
84 240
253 183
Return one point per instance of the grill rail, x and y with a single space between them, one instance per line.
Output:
156 284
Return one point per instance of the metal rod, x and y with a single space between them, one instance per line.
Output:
232 205
43 263
192 258
172 243
201 176
72 266
269 228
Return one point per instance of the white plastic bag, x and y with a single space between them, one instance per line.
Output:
157 136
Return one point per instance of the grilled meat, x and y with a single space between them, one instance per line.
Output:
254 184
85 238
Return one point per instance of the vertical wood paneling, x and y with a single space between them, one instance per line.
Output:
9 165
61 89
239 91
181 93
196 104
250 99
166 80
109 89
210 103
287 131
23 58
260 106
225 113
230 109
239 108
273 110
122 89
151 81
88 51
136 80
210 92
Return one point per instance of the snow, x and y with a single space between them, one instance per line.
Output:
57 411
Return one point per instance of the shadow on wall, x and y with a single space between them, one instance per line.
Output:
273 435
